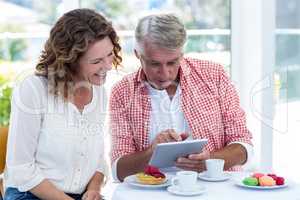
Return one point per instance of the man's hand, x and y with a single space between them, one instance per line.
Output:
184 136
92 195
194 162
166 136
136 162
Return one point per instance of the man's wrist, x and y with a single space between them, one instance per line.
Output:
149 151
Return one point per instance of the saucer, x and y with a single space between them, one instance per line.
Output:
224 177
197 190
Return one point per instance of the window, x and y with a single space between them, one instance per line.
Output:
287 90
28 22
24 27
208 33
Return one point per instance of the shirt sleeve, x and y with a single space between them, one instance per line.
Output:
121 132
114 170
25 124
233 116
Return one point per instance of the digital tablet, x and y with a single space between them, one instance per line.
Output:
165 154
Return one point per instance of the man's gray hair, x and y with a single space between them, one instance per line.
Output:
162 30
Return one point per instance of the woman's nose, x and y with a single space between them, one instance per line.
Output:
108 64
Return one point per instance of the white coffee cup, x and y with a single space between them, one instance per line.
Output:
214 167
185 180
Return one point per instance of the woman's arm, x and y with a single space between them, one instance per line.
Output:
46 190
94 187
96 182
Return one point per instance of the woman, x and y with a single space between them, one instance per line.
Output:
55 146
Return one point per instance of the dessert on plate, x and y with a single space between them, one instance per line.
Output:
151 176
260 179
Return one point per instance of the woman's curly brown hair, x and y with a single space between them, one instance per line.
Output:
69 40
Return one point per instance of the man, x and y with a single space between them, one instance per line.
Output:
170 98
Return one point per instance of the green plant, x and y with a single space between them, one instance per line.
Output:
12 49
5 96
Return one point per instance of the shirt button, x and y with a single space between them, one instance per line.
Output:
82 122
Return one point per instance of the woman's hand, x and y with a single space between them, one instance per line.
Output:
94 187
92 195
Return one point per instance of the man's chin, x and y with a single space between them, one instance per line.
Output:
160 86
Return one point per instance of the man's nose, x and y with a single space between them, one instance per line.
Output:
165 71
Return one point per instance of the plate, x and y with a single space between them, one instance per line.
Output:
241 184
224 177
132 180
197 191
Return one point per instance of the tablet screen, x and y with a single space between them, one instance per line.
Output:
165 154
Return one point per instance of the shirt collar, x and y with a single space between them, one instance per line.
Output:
153 91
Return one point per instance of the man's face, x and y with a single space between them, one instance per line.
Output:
160 65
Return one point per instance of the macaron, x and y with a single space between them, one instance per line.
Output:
257 175
251 181
266 181
273 176
279 180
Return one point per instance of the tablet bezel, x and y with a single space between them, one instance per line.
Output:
165 154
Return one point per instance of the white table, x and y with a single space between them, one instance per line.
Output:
214 191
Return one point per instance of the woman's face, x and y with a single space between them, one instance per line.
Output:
96 61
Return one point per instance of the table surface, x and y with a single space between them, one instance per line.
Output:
214 190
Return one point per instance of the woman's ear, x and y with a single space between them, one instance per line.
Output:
137 54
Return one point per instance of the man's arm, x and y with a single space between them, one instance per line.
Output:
121 134
233 116
235 130
133 163
233 154
136 162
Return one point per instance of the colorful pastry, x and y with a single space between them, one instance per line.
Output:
273 176
266 181
279 180
251 181
260 179
257 175
151 176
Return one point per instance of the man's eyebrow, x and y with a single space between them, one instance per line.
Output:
175 59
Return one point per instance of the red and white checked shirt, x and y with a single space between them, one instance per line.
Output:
208 99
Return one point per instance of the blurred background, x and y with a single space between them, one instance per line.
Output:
216 31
